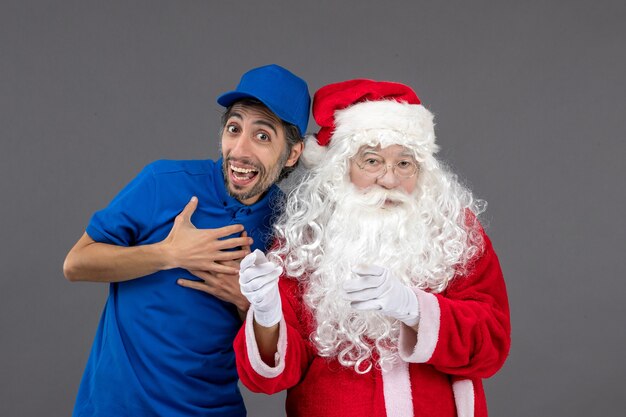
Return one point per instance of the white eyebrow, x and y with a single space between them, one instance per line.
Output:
370 150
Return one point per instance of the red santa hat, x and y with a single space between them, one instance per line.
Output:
369 112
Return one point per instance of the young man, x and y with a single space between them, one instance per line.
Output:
162 348
392 302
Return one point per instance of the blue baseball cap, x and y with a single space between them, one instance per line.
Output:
284 93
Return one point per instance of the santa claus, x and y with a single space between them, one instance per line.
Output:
383 295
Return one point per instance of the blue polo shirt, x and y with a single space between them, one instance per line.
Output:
162 349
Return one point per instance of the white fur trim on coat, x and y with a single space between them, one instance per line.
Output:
418 347
464 397
254 356
397 390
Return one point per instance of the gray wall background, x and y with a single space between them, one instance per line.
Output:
529 100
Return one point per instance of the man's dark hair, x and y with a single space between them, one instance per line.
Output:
292 134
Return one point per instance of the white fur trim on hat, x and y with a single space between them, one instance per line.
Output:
313 153
388 122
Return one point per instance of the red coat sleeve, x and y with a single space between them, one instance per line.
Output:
464 331
294 354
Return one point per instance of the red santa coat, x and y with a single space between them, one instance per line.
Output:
463 336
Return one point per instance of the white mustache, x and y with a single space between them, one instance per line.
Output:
376 197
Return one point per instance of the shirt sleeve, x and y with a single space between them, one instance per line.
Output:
128 219
292 360
464 331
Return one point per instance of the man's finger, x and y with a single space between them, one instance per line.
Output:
216 267
233 263
246 247
235 242
200 286
229 256
204 275
227 230
189 209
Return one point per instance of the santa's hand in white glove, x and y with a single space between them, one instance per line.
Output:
374 288
258 279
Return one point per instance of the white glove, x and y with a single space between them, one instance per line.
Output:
374 288
258 279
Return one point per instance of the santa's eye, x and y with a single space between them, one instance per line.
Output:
373 162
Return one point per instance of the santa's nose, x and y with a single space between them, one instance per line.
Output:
389 179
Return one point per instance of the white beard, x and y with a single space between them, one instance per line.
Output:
328 227
361 230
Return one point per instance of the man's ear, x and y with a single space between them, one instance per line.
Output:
296 151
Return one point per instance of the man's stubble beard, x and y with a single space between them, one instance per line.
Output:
266 178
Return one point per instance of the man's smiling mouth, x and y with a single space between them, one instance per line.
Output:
242 174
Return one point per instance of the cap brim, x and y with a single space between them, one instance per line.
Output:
229 98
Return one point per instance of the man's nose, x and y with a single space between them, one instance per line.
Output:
241 147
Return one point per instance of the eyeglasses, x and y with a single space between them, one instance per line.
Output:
375 166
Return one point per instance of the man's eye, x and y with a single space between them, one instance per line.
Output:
263 136
372 162
405 164
232 129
